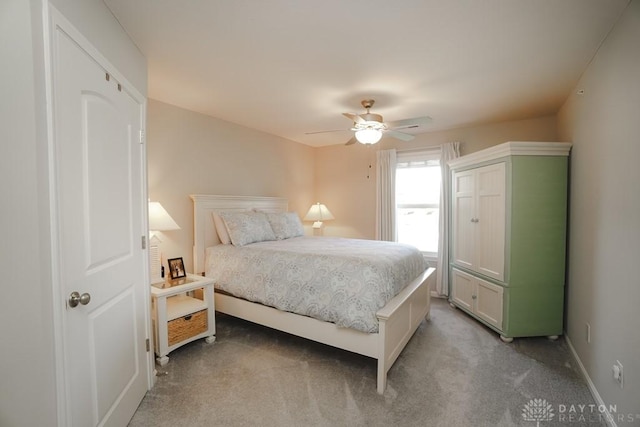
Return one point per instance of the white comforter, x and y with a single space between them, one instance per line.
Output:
344 281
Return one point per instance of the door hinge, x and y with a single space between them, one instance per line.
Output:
148 345
141 137
144 242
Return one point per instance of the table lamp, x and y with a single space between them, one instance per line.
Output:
318 213
159 220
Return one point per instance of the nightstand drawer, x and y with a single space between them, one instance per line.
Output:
186 327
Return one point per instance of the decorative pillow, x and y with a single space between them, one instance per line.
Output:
247 227
285 225
221 229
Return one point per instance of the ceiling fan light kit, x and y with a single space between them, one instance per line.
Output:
368 135
369 127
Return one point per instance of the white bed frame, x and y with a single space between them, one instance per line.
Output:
398 320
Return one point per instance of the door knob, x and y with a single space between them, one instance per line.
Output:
75 298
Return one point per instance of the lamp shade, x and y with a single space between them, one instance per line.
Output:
368 135
159 219
318 212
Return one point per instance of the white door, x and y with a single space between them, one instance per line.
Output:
99 187
490 220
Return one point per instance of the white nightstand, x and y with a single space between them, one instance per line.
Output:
180 316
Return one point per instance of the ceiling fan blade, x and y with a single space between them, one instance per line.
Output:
325 131
354 117
408 123
399 135
352 141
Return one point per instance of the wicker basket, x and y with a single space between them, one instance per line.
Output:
186 327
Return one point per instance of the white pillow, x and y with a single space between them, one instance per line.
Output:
285 225
247 227
221 229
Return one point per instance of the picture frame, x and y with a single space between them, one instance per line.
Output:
176 268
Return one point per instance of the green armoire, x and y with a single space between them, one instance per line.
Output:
508 237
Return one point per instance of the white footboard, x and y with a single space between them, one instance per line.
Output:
399 319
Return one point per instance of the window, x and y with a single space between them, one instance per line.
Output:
418 199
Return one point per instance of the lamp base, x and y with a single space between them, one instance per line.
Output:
317 224
155 265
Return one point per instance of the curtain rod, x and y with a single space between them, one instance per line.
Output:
411 150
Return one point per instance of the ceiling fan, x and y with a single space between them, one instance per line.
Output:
369 127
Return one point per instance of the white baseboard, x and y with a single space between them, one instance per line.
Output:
592 388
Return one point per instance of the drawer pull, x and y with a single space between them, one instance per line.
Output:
188 317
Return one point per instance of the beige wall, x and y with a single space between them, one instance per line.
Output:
27 368
604 244
190 153
346 184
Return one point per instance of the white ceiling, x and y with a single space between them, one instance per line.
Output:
287 67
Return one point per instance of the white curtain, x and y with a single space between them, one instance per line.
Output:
449 151
386 195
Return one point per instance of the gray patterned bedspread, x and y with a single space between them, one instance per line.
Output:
344 281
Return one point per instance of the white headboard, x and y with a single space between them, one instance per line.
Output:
204 230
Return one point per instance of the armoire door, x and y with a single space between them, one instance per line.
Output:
99 217
479 219
463 289
489 302
463 214
490 220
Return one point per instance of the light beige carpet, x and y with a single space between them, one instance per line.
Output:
453 372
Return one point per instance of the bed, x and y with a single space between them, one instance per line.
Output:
396 321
